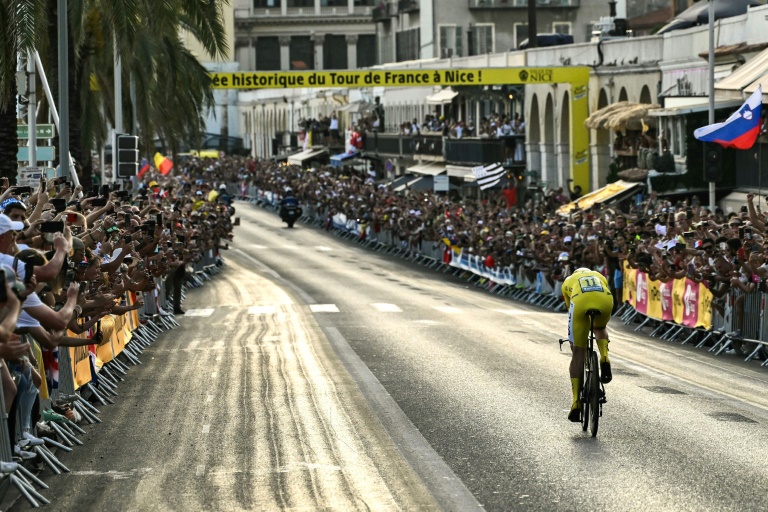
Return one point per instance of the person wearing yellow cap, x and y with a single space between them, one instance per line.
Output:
584 290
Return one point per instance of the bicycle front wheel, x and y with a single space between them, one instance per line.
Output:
594 388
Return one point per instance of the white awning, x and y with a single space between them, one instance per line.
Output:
442 97
458 171
607 194
427 169
692 108
407 184
300 158
745 79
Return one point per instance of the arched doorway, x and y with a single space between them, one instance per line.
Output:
645 95
564 142
533 137
600 148
548 156
623 95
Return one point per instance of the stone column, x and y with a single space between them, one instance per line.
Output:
548 163
319 40
317 7
533 158
600 164
252 59
285 51
351 5
352 52
563 164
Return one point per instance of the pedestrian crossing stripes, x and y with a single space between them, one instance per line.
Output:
387 308
323 308
199 312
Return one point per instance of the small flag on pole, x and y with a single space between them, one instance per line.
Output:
488 176
144 167
163 164
739 131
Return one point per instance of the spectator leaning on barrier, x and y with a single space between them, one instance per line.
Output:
71 262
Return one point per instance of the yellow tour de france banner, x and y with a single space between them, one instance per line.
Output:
682 301
577 76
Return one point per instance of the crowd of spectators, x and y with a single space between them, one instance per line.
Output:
71 260
666 238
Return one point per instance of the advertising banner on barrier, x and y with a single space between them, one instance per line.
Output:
81 364
682 301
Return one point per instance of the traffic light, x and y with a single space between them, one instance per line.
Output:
713 162
127 156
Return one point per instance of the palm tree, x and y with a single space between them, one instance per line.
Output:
22 28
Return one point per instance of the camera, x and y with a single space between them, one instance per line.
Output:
9 276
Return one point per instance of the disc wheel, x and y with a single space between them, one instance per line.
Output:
594 387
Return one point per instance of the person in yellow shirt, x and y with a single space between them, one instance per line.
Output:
584 290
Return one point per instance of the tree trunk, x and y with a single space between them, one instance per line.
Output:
8 141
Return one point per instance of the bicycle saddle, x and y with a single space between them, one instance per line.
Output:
592 312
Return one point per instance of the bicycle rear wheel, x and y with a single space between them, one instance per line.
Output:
586 384
594 387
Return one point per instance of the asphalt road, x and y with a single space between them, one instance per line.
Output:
327 376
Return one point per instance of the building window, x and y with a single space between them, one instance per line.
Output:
302 53
450 41
521 33
301 3
408 45
481 39
366 50
335 52
268 4
563 28
267 54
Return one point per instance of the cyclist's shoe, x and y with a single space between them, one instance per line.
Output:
605 372
575 414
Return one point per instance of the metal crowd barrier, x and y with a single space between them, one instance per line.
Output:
99 386
741 326
423 252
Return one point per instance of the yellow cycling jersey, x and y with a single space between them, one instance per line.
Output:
585 281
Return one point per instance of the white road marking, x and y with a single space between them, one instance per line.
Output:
200 312
447 309
323 248
261 310
323 308
387 308
200 470
206 429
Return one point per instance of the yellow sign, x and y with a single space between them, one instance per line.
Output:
577 77
400 77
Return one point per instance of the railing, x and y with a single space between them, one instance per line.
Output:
407 5
386 143
474 151
427 145
520 4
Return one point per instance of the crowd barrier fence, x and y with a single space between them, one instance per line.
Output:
439 255
87 377
686 311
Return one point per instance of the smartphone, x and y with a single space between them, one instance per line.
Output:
68 184
59 180
69 278
99 201
741 232
22 190
115 187
105 190
127 239
29 270
59 204
122 193
72 218
52 227
83 286
127 218
159 219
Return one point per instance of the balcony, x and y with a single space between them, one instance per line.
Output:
521 4
383 12
471 152
407 6
386 144
426 145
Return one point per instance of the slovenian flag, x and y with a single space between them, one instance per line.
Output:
144 167
739 131
163 164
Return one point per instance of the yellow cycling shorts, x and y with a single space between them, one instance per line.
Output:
578 321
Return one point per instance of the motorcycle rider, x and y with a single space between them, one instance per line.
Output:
288 202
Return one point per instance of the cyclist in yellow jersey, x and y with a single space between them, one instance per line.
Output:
584 290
